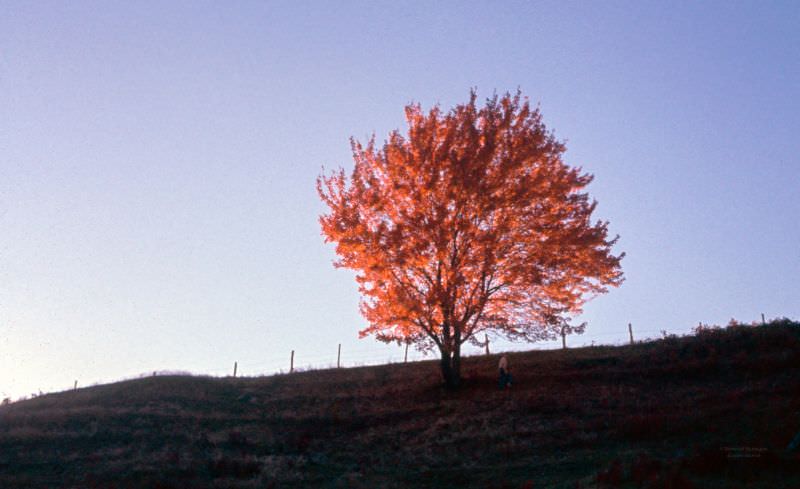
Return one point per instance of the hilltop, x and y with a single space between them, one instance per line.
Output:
713 410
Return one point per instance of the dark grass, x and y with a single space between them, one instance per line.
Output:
714 410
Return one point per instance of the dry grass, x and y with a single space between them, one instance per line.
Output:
675 413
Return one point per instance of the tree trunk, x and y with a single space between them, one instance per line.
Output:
451 368
457 364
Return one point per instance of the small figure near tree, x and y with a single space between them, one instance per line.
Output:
505 374
470 223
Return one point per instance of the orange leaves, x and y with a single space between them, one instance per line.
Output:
469 222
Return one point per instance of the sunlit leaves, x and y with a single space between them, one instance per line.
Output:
469 222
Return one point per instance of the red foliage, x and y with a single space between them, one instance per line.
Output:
470 223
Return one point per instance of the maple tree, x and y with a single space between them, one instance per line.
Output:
470 223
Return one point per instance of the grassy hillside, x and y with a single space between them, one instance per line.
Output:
711 411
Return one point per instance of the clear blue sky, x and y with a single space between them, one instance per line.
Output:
157 165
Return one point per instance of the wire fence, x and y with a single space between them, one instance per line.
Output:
297 361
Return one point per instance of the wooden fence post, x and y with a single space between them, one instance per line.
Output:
235 366
763 320
291 363
76 386
630 332
339 357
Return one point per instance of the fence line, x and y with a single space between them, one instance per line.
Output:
370 357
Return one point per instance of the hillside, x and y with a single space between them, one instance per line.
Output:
714 410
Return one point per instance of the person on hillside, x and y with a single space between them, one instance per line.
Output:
505 374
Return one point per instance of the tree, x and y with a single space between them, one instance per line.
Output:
470 223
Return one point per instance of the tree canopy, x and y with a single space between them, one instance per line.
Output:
469 223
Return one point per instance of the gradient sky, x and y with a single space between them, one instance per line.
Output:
157 166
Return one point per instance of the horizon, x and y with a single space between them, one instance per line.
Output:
554 345
157 197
